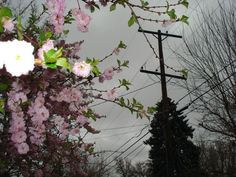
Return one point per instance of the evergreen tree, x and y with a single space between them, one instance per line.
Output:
183 151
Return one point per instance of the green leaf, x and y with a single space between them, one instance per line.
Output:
151 110
92 9
3 87
132 20
172 14
51 65
122 2
90 114
125 63
113 7
125 83
185 3
122 101
63 63
2 104
1 27
122 45
5 12
184 72
52 55
44 36
94 63
184 19
119 63
144 3
65 32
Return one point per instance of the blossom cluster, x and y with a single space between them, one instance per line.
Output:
17 128
82 19
56 8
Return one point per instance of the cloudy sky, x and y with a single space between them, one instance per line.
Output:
105 32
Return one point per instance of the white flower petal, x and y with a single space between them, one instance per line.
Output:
17 56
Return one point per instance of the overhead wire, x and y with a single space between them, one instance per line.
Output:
114 128
125 151
222 69
136 136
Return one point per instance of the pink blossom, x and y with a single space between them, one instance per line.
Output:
16 86
111 95
56 9
22 148
101 78
82 69
68 95
17 125
75 131
37 134
43 113
63 129
75 94
19 137
59 121
36 140
8 24
45 48
82 20
108 73
17 115
82 120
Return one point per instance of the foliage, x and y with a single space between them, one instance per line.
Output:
218 157
184 154
125 168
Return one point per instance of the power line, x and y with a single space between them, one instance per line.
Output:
136 136
201 105
206 81
114 128
117 134
134 91
125 151
189 104
134 150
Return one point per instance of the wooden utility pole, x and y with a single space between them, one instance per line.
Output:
170 158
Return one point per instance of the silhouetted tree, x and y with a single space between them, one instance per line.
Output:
125 168
184 152
218 157
210 56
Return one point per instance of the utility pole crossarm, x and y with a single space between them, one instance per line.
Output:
167 75
163 34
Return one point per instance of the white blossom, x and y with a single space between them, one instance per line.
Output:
17 56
